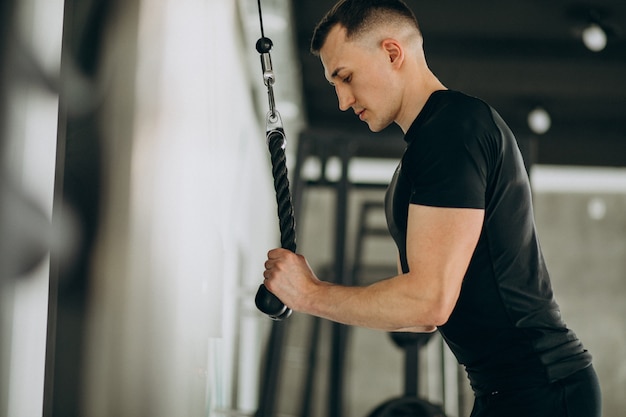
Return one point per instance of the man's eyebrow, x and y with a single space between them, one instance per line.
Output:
334 75
336 72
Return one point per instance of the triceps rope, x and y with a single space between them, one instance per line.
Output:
265 301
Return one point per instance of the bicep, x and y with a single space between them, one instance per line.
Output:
440 244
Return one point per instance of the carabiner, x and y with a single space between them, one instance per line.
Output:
263 47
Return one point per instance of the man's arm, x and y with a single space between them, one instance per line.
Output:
440 244
416 329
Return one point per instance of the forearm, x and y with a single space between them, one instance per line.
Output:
413 329
391 305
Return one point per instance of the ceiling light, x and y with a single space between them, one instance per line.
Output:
539 120
594 37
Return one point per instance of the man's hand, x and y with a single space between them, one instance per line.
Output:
289 277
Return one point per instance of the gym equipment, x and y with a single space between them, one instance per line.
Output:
265 301
407 407
409 404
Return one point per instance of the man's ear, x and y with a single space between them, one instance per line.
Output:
394 51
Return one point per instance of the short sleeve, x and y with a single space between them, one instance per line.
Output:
448 166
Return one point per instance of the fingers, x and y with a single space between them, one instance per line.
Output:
277 253
273 258
278 261
271 263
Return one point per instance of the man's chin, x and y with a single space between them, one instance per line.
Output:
376 128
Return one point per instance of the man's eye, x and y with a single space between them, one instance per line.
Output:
347 79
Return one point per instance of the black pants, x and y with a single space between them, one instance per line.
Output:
578 395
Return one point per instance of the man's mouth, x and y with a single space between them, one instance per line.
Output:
360 114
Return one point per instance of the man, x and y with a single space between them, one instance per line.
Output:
459 209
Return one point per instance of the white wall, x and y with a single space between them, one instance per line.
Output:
29 163
188 217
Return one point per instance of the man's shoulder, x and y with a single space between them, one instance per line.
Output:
452 101
454 113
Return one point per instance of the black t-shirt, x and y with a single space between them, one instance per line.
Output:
506 328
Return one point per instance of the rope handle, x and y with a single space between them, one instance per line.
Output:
265 301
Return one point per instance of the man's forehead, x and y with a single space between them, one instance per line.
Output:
329 72
333 50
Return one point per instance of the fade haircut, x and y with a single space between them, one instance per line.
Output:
359 16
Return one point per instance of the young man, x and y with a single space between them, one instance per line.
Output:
459 209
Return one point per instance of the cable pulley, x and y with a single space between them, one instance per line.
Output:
265 301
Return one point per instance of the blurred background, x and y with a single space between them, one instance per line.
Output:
137 205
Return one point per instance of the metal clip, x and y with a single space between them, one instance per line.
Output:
268 79
268 71
273 123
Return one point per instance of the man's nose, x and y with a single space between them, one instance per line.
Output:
345 97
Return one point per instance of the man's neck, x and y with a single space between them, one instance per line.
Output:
415 97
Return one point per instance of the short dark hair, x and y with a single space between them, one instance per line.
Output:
357 16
